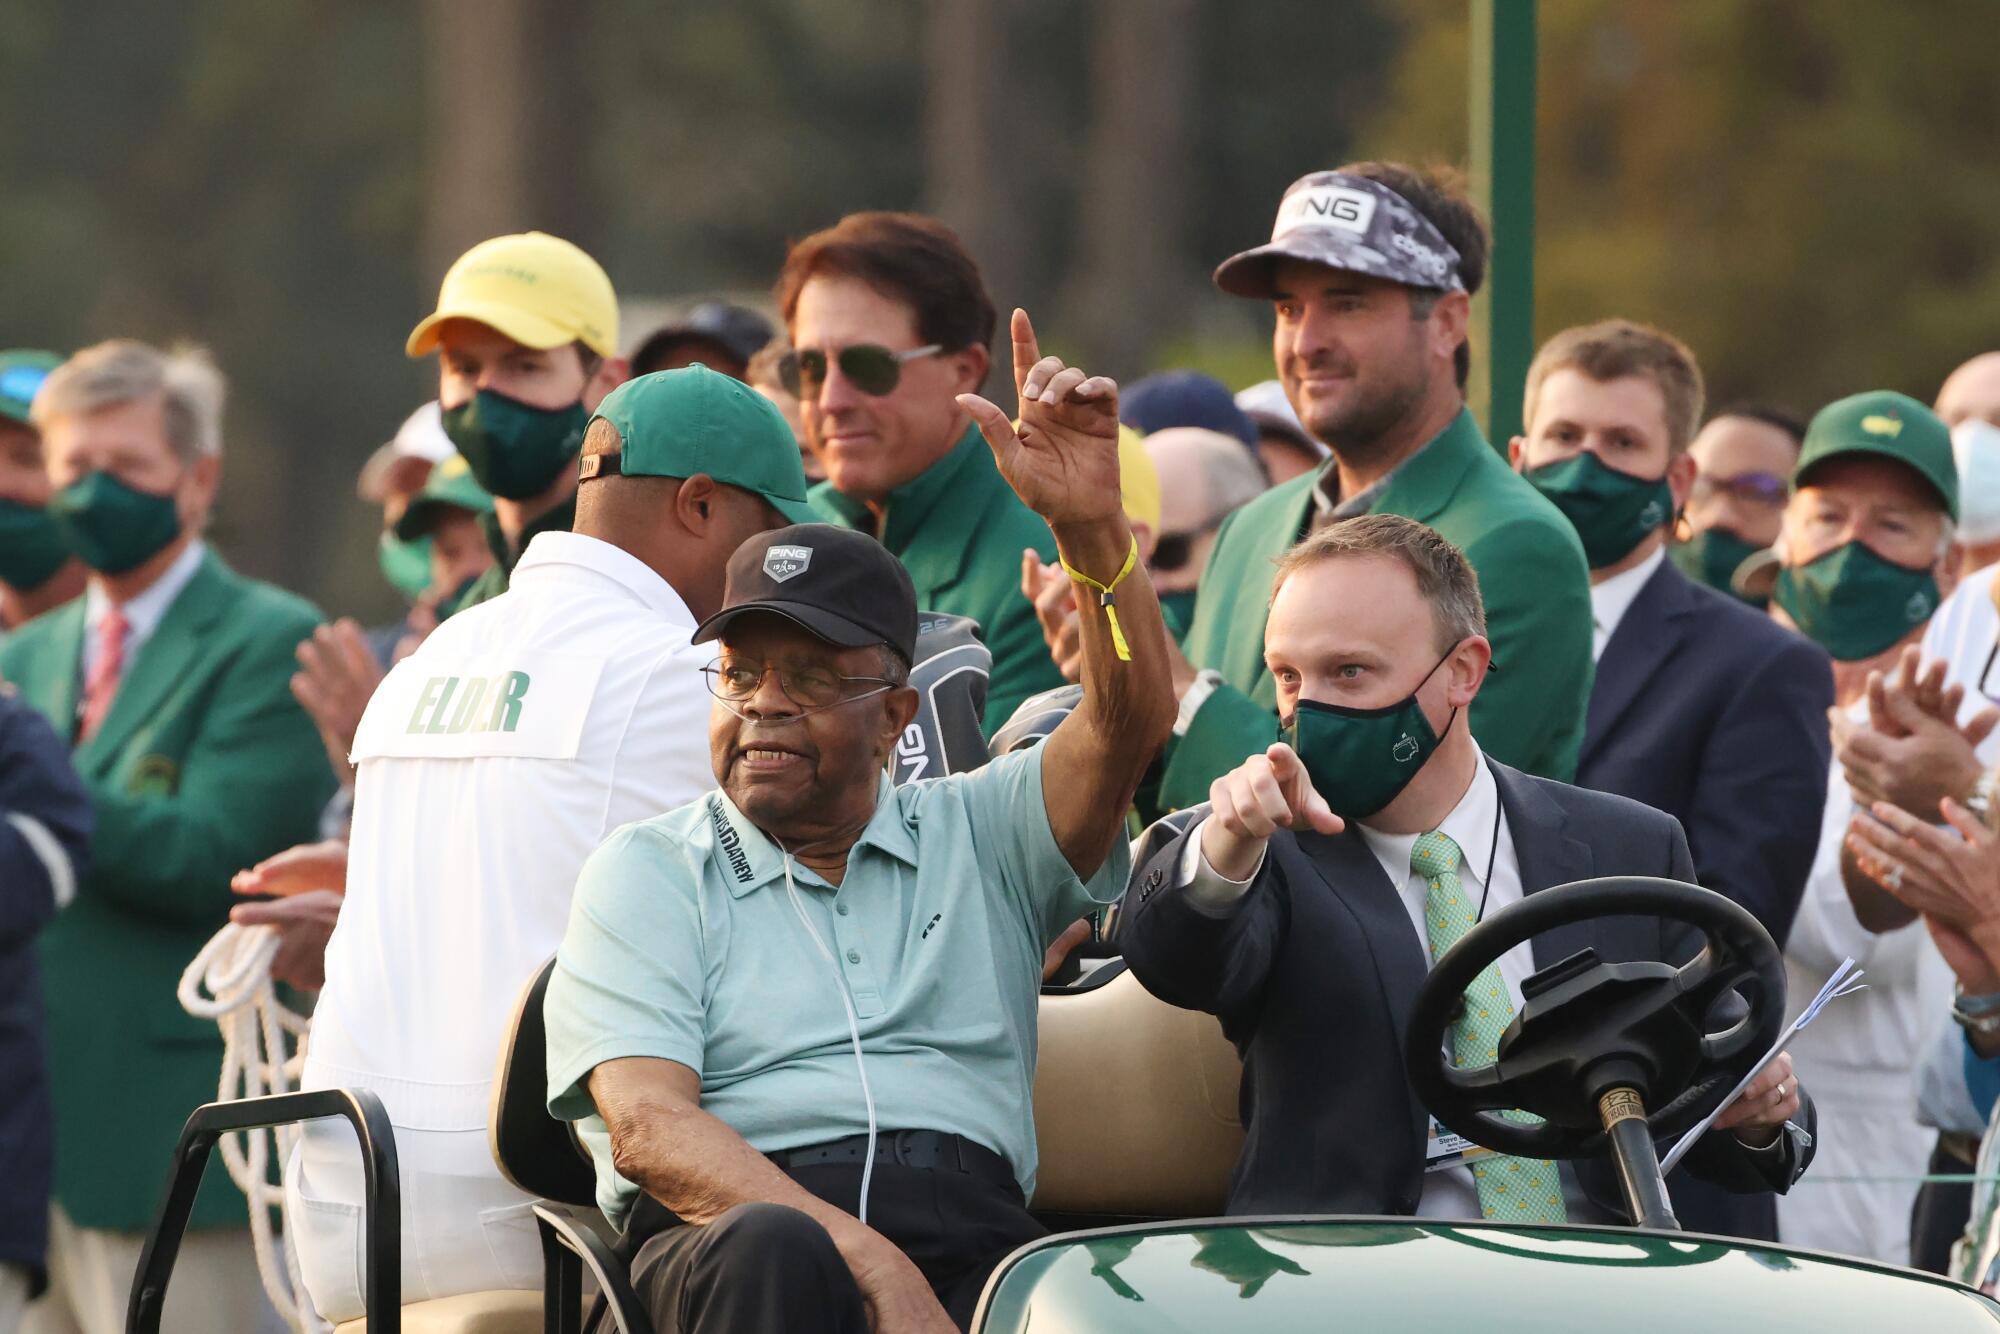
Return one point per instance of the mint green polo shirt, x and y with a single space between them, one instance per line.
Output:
683 944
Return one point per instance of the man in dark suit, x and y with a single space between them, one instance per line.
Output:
1332 869
1701 708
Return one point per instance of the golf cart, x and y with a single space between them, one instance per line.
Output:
1136 1112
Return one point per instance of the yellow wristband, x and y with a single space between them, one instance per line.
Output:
1107 595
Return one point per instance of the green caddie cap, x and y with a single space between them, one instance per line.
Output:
449 486
21 374
1892 425
694 420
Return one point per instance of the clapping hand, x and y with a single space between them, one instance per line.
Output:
1912 752
1062 457
1951 877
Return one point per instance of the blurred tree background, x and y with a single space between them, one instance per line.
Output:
1804 191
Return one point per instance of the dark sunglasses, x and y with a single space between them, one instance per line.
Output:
869 367
1756 488
1174 550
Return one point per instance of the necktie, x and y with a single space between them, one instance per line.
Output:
1514 1190
105 669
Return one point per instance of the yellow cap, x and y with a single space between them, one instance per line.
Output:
1138 479
537 289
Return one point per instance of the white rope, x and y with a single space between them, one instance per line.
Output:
230 982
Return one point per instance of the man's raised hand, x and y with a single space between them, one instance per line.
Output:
1264 794
1062 458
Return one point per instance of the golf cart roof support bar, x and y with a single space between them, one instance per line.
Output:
382 1195
1624 1117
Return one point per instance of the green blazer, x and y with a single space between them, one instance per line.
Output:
203 765
1532 576
959 530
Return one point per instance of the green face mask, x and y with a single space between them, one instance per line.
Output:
455 602
1360 760
1854 603
406 565
1178 609
1611 511
1711 556
514 450
31 548
112 527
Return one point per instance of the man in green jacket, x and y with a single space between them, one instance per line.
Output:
1371 270
890 321
169 678
526 335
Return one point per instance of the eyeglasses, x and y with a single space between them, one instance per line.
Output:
869 367
733 680
1752 488
1174 550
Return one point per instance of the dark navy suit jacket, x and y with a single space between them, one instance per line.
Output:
45 824
1313 973
1714 713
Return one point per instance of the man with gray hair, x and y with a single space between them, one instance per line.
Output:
1204 475
170 679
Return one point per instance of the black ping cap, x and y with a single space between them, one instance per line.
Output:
842 585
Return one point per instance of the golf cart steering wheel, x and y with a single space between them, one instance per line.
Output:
1673 1036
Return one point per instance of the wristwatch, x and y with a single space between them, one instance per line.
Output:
1976 1014
1982 801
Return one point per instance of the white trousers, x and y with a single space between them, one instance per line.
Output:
1870 1219
214 1285
465 1229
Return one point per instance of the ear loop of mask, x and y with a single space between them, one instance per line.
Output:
853 1031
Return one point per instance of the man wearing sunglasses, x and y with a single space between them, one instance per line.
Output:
37 572
890 322
1204 477
1743 466
796 1017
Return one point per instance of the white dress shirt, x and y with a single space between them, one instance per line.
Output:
1860 1059
143 613
1611 598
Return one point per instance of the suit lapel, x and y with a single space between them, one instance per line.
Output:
64 683
1546 855
1246 586
1354 877
163 662
1647 636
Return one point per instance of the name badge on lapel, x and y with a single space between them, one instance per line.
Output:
1448 1148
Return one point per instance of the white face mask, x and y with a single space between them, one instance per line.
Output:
1976 446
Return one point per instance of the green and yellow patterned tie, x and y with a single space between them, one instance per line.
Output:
1512 1190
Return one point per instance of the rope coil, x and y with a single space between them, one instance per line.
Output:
229 981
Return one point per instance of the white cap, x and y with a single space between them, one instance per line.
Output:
421 437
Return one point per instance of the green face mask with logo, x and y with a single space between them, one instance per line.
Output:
1853 603
405 564
1360 760
113 527
1611 511
515 450
31 547
1711 556
1178 608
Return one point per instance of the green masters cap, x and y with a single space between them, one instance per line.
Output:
450 485
694 420
21 374
1893 425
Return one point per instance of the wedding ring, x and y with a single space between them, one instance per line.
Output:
1894 880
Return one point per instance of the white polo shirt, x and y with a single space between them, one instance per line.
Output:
489 765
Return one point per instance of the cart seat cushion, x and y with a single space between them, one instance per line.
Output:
508 1311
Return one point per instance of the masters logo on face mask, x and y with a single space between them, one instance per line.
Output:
1406 749
783 563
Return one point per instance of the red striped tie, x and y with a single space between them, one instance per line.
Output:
102 683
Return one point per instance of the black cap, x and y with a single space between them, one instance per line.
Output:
737 330
842 585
